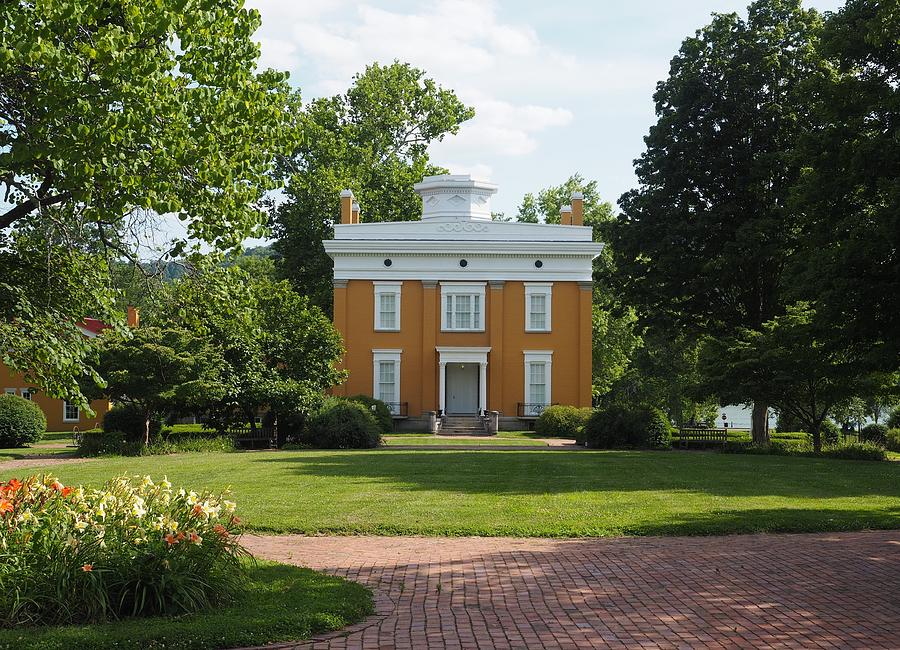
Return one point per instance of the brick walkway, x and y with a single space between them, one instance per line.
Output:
772 591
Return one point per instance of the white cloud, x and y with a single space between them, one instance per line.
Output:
515 82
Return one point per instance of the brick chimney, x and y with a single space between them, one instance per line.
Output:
134 317
346 206
577 209
354 212
565 215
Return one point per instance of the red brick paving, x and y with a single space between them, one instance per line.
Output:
772 591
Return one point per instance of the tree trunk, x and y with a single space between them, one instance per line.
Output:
146 429
817 437
759 424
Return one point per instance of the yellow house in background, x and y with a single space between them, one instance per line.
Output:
62 415
457 319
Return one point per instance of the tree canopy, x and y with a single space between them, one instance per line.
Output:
111 111
373 140
701 245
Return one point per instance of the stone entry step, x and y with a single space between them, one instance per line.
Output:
462 425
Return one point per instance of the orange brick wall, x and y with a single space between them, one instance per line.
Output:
504 333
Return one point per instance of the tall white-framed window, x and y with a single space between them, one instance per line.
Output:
9 391
538 376
538 303
387 306
71 412
462 306
26 394
386 377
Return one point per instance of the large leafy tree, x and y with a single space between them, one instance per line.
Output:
373 139
159 371
277 348
786 363
850 195
110 111
701 245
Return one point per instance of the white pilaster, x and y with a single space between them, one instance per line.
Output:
482 386
442 391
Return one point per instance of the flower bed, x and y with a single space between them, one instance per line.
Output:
131 548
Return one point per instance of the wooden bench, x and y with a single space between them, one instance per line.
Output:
700 434
254 437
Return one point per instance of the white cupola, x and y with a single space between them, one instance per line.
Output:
455 197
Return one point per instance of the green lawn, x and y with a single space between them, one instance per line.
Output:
542 493
281 603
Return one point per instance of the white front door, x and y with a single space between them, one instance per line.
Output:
462 388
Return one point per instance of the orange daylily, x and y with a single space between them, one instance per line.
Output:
221 530
87 568
13 485
5 506
180 536
56 485
170 539
197 509
195 538
66 491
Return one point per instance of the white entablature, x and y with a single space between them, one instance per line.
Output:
457 240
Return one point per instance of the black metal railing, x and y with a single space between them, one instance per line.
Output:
398 409
527 410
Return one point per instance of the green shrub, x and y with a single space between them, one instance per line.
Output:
562 421
107 443
659 429
618 427
855 451
130 549
873 433
381 411
342 424
892 439
841 451
129 420
22 422
114 443
830 432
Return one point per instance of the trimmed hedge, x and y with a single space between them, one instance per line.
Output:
128 420
841 451
562 421
616 427
343 424
381 411
22 422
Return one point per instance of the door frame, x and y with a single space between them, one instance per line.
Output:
463 355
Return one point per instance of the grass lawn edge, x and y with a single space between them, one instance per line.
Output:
283 603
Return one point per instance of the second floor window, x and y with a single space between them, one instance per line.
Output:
71 412
463 307
387 306
538 297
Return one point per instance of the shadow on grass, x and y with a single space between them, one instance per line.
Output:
554 472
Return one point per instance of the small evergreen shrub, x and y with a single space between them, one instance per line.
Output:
381 411
343 424
617 427
129 420
659 429
873 433
22 422
133 548
562 421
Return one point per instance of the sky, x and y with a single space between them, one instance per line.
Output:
558 87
